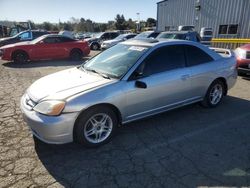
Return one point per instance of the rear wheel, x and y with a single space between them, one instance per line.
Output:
20 57
96 126
76 55
214 94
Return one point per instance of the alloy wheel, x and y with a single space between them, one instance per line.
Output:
98 128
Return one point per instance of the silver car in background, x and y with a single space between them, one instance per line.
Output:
132 80
123 37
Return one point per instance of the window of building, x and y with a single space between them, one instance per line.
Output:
223 29
230 29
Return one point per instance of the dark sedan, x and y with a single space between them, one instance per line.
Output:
22 36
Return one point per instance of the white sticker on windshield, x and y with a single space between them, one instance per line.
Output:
137 48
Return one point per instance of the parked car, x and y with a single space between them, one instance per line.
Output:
243 59
109 43
45 47
96 41
148 34
206 35
129 81
22 36
181 35
186 28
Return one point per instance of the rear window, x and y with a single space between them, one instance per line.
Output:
196 56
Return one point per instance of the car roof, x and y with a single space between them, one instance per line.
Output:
153 42
178 32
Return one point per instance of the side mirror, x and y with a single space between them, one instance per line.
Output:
140 84
137 74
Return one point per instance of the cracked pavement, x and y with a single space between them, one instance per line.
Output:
187 147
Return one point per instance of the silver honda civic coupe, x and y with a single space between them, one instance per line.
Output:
132 80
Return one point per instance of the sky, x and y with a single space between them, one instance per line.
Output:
96 10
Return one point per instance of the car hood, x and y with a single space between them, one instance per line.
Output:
16 44
64 84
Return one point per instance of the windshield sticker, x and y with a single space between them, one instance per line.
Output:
137 48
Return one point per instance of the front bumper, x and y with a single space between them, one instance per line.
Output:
49 129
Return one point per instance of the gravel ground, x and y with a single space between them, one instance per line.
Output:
187 147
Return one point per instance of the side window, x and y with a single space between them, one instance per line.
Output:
196 56
113 35
66 39
105 36
153 35
37 34
50 40
25 35
130 36
164 59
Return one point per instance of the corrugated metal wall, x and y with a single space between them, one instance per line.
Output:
212 14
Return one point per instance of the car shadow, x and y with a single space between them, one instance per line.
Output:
191 146
45 63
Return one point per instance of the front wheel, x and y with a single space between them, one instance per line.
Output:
20 57
214 94
96 126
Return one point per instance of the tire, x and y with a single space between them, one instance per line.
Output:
89 129
76 55
20 57
95 46
214 95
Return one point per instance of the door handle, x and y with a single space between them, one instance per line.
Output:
185 77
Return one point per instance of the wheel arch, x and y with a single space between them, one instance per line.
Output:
77 49
224 81
19 50
111 106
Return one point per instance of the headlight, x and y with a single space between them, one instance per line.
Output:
241 53
51 108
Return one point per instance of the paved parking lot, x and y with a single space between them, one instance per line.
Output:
188 147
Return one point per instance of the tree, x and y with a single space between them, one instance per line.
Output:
47 26
131 24
120 23
151 22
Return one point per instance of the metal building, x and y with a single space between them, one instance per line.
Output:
227 18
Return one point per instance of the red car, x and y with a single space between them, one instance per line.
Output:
243 59
45 47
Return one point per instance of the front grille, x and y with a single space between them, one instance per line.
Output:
248 55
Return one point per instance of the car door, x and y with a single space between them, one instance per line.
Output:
202 67
163 83
45 49
63 46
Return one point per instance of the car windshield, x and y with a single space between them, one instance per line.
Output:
115 61
171 36
97 35
143 35
38 39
